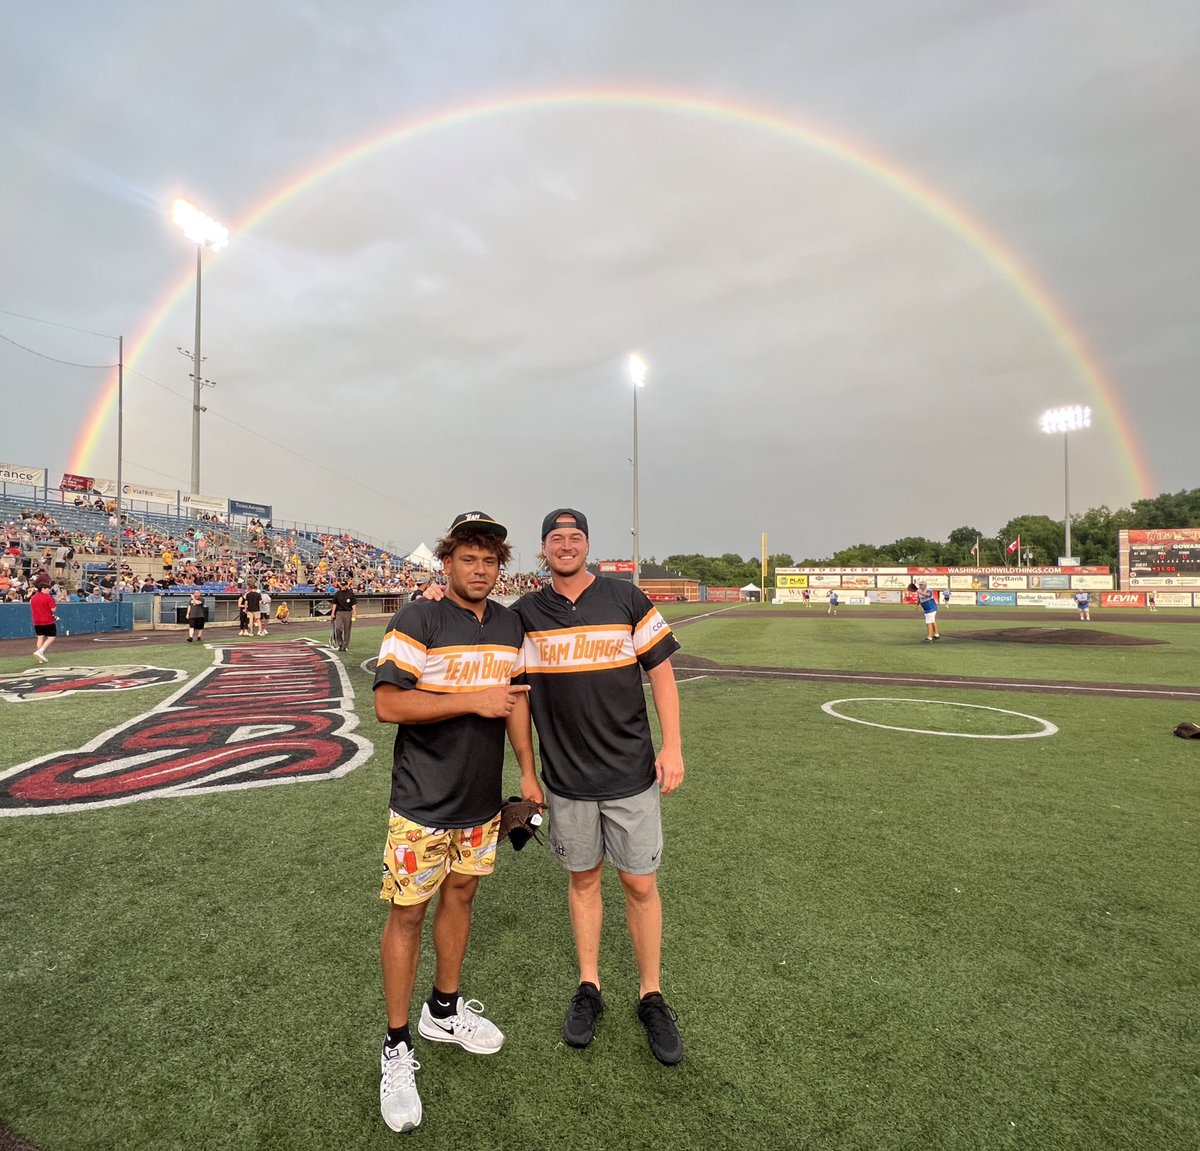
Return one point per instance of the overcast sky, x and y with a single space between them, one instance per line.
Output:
444 324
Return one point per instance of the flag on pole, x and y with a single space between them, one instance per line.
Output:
975 550
1014 546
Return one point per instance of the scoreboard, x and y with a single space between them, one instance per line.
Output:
1177 559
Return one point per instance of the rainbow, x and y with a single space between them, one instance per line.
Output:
883 171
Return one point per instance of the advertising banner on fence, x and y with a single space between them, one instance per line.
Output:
1061 603
150 495
205 504
824 579
73 483
19 474
1173 598
1162 581
615 565
1056 582
996 598
791 595
1037 598
884 595
789 579
1092 582
243 508
893 581
1122 599
1010 582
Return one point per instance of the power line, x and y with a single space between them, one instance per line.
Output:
283 447
55 359
56 324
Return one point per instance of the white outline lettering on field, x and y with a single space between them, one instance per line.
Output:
1047 728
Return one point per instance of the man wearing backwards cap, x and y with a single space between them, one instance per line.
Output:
588 640
444 678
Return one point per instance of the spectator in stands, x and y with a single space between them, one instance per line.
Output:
94 595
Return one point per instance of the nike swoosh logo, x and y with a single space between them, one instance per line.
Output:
442 1024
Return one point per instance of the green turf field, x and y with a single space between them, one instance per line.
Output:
874 939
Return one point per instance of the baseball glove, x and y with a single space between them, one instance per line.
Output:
520 820
1187 731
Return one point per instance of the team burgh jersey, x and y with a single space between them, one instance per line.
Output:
583 662
447 774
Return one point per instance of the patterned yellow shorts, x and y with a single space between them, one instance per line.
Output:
418 859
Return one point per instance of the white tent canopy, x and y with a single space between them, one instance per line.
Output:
420 557
752 586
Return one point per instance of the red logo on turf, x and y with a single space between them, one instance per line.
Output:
258 717
55 682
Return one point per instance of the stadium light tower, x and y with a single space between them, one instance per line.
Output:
204 233
1065 421
637 372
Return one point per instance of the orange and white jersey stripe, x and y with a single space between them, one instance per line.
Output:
457 668
593 648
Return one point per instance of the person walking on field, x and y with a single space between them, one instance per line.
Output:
444 677
927 601
253 609
41 604
1083 601
243 617
833 602
197 615
343 616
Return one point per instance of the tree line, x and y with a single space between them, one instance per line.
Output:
1093 539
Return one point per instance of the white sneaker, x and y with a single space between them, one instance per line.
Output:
399 1103
38 656
467 1027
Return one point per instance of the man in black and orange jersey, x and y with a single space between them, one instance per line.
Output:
587 641
444 676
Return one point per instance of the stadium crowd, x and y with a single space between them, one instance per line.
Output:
204 554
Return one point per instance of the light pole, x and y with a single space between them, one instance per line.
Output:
637 372
1066 420
204 233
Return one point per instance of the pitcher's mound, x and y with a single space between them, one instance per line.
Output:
1083 634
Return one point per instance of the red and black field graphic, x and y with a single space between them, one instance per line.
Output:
55 682
260 716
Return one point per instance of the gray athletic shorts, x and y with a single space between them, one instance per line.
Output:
627 832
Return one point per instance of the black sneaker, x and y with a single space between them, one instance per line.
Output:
666 1044
587 1005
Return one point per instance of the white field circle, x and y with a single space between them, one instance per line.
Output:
1045 727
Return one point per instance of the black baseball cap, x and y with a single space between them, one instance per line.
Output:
478 522
551 521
